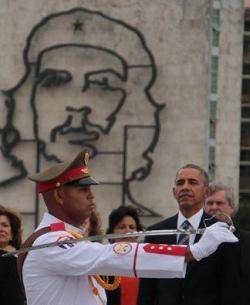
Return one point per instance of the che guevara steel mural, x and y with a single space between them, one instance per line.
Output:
87 84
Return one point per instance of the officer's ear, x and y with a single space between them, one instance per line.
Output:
58 196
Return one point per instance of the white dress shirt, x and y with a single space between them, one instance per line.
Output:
59 275
193 220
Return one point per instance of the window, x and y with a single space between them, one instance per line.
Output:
245 118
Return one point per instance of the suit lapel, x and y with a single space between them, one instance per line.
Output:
203 224
173 238
170 224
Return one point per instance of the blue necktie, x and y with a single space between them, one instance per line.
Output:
183 239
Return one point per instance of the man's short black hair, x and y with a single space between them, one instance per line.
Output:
203 173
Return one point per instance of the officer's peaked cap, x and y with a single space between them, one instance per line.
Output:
72 172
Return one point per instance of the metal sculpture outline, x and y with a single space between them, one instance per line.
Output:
10 136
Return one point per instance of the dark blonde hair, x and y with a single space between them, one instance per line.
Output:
16 225
218 186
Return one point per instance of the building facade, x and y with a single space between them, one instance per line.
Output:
145 86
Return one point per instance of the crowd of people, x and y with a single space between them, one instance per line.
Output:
197 269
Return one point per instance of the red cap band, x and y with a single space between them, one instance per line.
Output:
70 175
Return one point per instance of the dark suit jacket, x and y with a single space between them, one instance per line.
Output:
244 238
10 287
212 281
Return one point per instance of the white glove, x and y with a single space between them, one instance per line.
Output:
211 239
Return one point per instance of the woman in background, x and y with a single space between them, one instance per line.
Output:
10 230
10 239
125 219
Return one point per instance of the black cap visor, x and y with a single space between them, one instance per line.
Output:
84 181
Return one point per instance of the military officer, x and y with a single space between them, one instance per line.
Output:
69 274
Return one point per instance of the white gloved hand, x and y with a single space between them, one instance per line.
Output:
211 239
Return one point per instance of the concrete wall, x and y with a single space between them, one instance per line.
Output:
177 34
229 93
